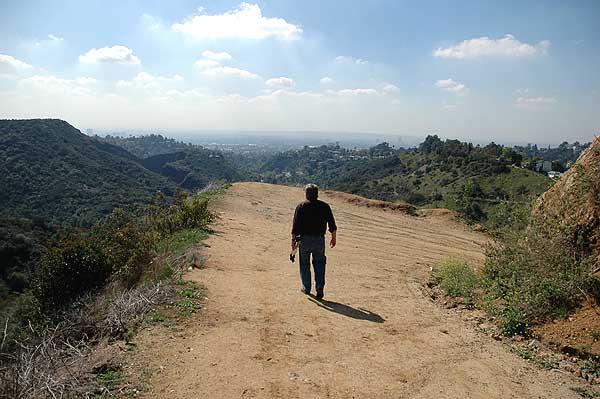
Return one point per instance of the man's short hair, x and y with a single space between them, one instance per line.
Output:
312 191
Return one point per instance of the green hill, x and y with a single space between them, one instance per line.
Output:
54 179
147 146
52 171
194 168
485 184
190 166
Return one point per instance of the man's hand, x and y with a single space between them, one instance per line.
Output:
333 239
294 244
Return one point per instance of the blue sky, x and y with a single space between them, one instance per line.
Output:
510 71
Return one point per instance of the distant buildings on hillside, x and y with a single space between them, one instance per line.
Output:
543 166
554 174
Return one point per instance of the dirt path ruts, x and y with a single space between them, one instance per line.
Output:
376 336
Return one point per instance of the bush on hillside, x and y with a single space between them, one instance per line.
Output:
187 212
120 247
73 267
538 274
127 244
457 279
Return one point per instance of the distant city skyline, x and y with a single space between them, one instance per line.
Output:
506 71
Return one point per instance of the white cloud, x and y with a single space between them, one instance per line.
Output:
326 80
49 84
145 80
507 46
246 22
280 82
229 71
451 85
11 65
343 59
113 55
202 63
389 88
535 102
55 38
216 56
85 81
357 92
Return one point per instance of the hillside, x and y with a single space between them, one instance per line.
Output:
574 203
544 278
375 335
194 168
146 146
190 166
484 184
54 179
54 172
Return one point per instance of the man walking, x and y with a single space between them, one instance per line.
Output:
311 219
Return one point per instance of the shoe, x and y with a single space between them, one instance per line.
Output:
305 292
319 294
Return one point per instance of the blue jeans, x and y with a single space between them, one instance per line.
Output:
315 246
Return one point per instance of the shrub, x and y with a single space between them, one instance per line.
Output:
76 265
188 212
122 246
457 278
538 274
128 245
513 322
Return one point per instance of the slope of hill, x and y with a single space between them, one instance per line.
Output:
55 178
545 276
147 146
482 183
190 166
52 171
574 203
194 168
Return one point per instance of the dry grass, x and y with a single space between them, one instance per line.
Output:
55 361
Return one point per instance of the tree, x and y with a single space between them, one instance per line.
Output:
431 144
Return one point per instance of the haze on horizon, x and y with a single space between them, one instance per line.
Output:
508 71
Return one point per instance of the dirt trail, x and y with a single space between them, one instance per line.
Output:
376 336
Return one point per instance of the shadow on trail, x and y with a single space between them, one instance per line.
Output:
348 311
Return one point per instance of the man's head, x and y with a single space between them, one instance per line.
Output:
312 192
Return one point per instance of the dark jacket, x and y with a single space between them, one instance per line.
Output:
312 217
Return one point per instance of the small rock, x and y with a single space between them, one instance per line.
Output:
497 337
293 376
534 344
567 367
479 228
